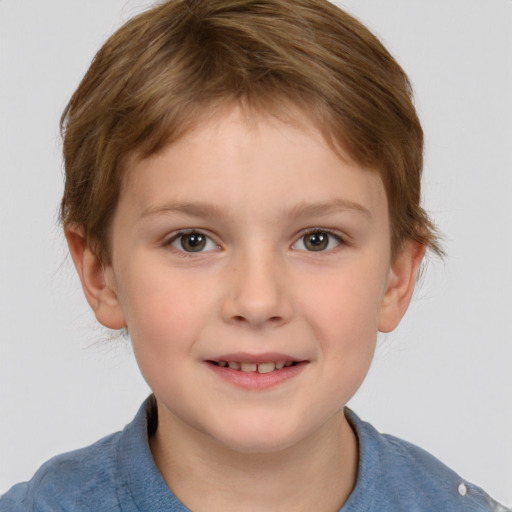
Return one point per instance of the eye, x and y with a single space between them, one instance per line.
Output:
193 241
317 241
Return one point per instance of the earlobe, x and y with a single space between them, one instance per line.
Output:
400 285
97 280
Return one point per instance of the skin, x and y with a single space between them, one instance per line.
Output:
255 189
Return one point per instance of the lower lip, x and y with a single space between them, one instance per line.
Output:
257 381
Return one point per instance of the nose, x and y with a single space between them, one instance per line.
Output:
257 292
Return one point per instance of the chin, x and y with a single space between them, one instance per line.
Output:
258 437
252 445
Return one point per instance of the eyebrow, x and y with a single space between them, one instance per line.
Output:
318 209
192 209
301 210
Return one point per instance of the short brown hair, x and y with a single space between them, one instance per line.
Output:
158 75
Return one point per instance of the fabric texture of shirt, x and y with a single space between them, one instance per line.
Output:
118 474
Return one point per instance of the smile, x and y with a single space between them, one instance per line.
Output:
266 367
256 372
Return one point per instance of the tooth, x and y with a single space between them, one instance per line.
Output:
288 363
249 367
234 365
279 365
266 367
222 363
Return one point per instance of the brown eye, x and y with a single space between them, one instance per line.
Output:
317 241
193 242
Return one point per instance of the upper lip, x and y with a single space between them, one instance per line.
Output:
266 357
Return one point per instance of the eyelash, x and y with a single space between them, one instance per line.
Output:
330 234
180 235
316 231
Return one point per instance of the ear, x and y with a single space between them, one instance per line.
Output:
400 285
97 280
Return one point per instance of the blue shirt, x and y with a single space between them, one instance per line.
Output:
118 474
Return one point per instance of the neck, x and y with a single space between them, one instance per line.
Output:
318 473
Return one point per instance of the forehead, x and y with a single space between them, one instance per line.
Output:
244 160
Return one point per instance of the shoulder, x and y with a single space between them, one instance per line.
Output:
403 476
83 479
114 474
414 472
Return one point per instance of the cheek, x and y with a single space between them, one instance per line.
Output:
344 304
343 314
165 315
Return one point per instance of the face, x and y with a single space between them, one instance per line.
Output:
252 267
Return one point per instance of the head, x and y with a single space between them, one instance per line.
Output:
171 68
243 186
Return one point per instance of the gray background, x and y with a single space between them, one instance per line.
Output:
442 380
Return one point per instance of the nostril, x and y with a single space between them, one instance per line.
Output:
243 319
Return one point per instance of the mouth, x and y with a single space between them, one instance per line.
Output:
256 372
255 367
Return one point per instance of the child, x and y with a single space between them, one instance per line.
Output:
243 197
